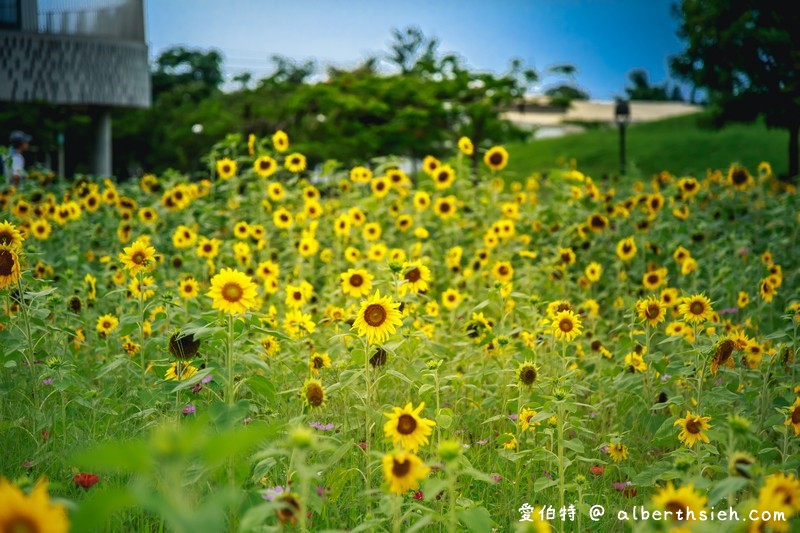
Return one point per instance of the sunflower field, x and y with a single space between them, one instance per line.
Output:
370 349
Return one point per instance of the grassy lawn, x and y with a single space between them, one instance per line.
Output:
678 144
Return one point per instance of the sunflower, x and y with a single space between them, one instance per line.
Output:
106 324
380 186
208 248
524 419
443 177
421 200
722 354
185 369
138 257
9 266
378 318
593 272
502 271
403 471
766 289
465 146
782 490
566 325
232 292
144 288
739 178
430 164
617 451
10 235
295 162
794 416
678 502
265 166
189 289
696 309
282 218
313 392
626 249
226 168
634 362
318 361
654 279
451 298
406 427
651 310
527 373
692 428
32 512
445 207
280 141
496 158
41 229
688 187
416 276
360 174
566 256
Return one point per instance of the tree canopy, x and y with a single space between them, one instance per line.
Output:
746 55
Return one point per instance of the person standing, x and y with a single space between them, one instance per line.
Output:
14 163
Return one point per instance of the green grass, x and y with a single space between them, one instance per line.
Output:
678 144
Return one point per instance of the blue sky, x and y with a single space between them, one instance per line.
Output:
605 39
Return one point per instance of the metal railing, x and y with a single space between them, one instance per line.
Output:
120 19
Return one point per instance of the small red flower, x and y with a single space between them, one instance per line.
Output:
85 480
419 495
597 470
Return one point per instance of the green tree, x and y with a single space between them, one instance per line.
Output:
746 55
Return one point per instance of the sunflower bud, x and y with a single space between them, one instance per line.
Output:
449 450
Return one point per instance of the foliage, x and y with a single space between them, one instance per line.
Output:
543 380
745 54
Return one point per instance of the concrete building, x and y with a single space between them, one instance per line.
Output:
88 53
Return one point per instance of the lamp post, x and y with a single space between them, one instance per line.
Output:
622 116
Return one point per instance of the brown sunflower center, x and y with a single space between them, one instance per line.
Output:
6 262
6 238
226 169
566 325
21 524
401 468
375 315
693 426
314 394
138 258
597 222
295 161
626 248
652 279
232 292
264 164
318 362
496 158
674 507
528 375
503 270
297 295
406 424
697 308
652 312
724 351
739 176
444 207
413 275
443 176
796 415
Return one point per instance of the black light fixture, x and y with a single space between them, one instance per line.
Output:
622 116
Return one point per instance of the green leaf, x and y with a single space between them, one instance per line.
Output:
726 487
543 483
477 519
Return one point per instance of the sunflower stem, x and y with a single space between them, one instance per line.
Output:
31 357
141 329
561 487
229 363
367 436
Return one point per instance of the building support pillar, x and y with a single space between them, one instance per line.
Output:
102 144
